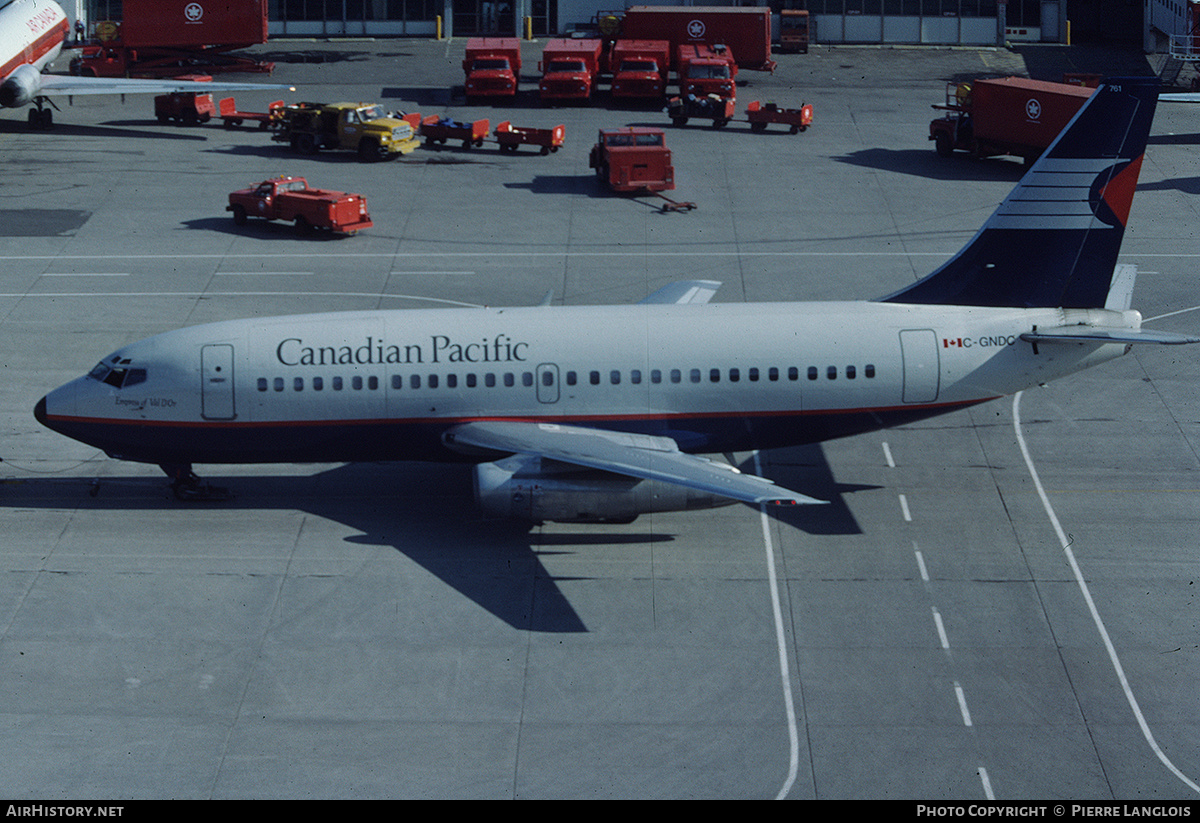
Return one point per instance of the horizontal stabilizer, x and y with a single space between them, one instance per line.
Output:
1092 334
685 291
634 455
1180 97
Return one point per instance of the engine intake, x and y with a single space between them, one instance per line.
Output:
21 87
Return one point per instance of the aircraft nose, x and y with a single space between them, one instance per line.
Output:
39 411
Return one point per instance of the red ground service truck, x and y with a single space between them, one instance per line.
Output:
166 38
569 69
186 108
1007 115
640 68
706 70
290 199
633 159
746 30
493 66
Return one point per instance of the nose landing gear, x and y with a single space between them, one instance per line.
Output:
188 487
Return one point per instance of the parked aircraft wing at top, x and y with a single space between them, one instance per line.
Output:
71 85
32 34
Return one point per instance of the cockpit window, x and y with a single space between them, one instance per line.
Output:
117 373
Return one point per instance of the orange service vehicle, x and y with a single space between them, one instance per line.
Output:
633 159
290 199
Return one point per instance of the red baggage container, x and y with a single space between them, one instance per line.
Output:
185 23
1006 115
746 30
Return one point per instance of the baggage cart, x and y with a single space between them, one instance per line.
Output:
510 137
761 115
437 129
266 120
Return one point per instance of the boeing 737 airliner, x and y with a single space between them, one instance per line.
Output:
598 413
32 33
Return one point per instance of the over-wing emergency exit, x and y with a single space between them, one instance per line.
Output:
600 413
32 33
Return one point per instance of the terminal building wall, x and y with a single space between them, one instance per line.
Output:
934 22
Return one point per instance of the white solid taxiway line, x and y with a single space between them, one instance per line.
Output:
785 669
1065 543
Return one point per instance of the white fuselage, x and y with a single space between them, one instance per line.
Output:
716 377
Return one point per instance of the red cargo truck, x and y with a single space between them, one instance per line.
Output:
640 68
746 30
569 69
1007 115
492 66
166 38
706 70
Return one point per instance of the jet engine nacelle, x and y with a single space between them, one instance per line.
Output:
539 489
20 88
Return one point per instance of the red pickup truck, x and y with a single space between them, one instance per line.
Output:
290 198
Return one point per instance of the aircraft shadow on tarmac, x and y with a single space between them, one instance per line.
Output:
1187 185
421 97
926 163
425 512
112 130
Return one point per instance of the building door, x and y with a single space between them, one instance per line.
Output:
484 17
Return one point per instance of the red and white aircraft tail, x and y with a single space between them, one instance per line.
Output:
32 33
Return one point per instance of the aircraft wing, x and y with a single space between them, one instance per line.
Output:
61 84
1180 97
635 455
684 291
1094 334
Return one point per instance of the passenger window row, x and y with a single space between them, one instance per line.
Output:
572 378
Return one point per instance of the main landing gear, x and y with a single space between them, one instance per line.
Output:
188 487
41 117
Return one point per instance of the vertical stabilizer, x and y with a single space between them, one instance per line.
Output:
1054 240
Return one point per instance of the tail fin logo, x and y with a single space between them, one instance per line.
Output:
1111 195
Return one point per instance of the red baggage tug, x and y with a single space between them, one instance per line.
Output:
633 159
636 160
